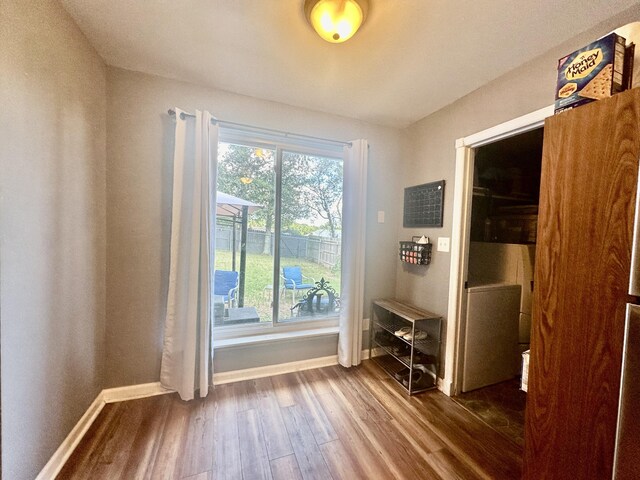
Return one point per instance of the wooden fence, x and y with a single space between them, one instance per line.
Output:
321 250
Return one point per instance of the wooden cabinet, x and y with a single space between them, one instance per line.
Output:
583 256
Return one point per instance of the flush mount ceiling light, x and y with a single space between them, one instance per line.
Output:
336 20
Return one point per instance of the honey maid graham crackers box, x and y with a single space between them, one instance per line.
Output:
591 73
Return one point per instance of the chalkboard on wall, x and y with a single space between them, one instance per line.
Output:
423 205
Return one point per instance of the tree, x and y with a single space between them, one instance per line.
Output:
301 229
321 186
309 184
249 173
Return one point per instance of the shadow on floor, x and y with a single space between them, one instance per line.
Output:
501 406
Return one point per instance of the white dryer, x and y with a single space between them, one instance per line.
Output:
491 353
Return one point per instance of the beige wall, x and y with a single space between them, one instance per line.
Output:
81 234
430 152
138 212
52 224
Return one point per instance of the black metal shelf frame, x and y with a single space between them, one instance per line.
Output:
388 321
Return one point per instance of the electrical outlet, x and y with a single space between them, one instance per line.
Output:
380 216
443 244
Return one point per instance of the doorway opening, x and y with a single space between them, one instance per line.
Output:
467 149
501 258
496 324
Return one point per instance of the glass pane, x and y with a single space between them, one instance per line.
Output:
244 235
310 244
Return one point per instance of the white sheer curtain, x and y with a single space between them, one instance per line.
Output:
353 241
187 356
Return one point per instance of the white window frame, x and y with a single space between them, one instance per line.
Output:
279 143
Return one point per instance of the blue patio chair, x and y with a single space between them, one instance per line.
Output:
225 285
294 280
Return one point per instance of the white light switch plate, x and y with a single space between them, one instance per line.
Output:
443 244
380 216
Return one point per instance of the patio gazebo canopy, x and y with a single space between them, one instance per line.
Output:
230 206
237 210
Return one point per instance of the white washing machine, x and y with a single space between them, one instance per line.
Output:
506 263
491 353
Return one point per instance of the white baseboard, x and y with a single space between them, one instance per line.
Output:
133 392
446 386
270 370
109 395
66 448
278 369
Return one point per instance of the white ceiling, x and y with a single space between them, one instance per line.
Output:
410 58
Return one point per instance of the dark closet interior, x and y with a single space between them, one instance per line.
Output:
506 188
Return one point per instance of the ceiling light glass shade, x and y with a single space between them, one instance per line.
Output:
336 20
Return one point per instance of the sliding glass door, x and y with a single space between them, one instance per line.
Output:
278 234
245 221
311 227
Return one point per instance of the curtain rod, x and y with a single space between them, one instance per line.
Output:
172 112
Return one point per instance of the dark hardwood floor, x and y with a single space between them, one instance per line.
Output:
318 424
502 406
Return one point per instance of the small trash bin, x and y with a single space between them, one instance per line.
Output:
525 371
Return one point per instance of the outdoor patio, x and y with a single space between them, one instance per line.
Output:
244 264
258 289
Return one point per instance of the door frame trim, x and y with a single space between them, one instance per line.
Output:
462 196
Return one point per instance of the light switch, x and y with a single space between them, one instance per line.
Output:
380 216
443 244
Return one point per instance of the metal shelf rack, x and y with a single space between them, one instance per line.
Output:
399 357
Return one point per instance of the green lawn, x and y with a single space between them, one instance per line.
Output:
259 274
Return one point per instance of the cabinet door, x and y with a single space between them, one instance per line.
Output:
583 254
